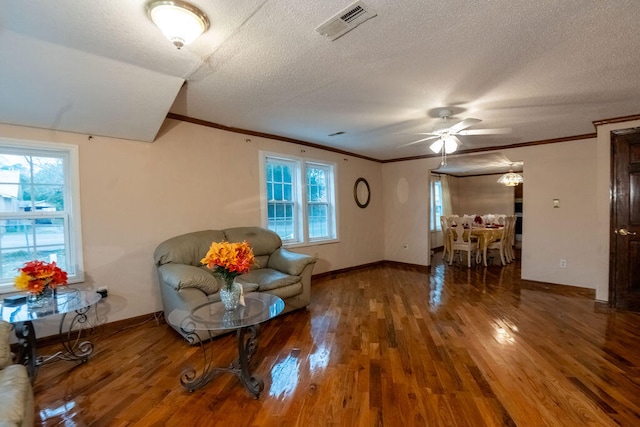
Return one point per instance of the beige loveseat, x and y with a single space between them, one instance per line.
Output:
16 393
185 283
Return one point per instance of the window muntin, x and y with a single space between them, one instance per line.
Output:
300 211
38 193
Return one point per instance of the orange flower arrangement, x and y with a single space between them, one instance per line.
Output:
35 276
229 259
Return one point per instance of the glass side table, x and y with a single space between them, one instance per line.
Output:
212 317
66 301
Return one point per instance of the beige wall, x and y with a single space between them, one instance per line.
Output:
406 210
135 195
481 195
563 171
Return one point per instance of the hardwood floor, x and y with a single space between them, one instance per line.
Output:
383 346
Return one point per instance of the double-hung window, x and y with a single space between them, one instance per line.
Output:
436 205
39 208
299 199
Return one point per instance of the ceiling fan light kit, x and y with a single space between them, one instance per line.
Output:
450 144
180 22
447 142
436 146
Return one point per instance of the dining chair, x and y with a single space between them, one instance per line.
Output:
460 238
445 236
511 237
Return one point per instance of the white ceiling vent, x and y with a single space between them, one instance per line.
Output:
346 20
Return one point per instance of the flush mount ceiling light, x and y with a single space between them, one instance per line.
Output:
180 22
510 179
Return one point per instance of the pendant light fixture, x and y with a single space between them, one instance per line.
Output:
510 179
179 21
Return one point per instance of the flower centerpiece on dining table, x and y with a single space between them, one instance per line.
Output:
229 260
40 279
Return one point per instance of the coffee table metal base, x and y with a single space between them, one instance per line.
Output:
247 341
74 348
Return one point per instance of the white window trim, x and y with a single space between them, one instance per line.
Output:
72 200
301 189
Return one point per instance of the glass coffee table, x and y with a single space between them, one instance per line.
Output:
65 301
212 317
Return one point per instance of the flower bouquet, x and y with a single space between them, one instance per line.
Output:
40 278
229 260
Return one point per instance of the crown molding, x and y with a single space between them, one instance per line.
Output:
597 123
206 123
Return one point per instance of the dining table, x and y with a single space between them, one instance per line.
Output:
485 234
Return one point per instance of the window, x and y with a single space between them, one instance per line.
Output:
436 205
300 199
39 208
282 193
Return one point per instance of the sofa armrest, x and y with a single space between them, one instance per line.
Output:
5 349
180 276
289 262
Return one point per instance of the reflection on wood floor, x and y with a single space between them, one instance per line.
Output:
380 346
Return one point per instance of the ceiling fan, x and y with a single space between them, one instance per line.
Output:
446 135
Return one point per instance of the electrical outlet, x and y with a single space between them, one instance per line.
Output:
103 290
563 263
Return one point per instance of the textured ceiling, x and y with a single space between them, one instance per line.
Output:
546 69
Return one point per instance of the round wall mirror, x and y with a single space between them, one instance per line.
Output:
362 193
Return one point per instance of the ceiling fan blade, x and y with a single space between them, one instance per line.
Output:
495 131
417 133
418 141
463 125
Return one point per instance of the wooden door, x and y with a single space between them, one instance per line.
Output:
624 283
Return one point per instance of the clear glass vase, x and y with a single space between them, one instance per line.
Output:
230 294
40 299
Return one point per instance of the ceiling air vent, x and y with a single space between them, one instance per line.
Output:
346 20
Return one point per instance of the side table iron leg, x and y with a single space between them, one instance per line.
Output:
74 349
247 342
27 350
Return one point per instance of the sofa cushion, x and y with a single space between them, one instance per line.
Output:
267 279
289 262
287 291
247 286
262 241
180 276
188 248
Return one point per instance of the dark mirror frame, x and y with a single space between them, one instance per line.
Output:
362 204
